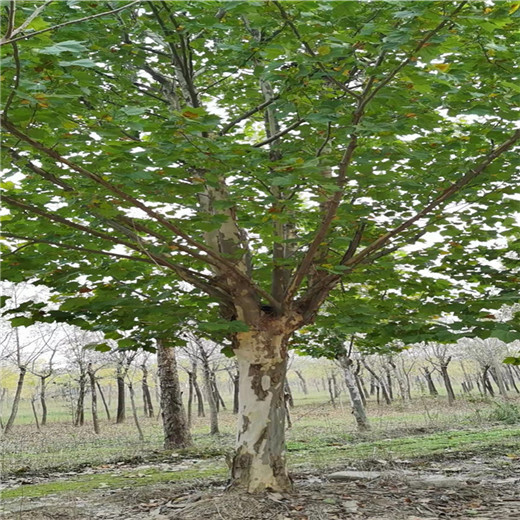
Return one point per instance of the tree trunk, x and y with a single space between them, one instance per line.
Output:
218 397
35 413
190 398
288 397
389 386
372 385
121 413
210 397
335 385
512 379
486 383
107 411
43 402
147 397
302 381
447 382
93 395
358 409
236 387
380 384
176 431
331 392
16 402
399 378
198 393
259 462
79 419
469 383
429 380
134 411
497 375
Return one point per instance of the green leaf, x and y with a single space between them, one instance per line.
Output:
22 321
74 46
78 63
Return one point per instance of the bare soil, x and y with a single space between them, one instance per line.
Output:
476 486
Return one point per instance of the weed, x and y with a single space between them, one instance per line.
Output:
507 413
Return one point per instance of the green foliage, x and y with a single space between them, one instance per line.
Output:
443 85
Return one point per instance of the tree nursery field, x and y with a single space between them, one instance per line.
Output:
260 259
422 459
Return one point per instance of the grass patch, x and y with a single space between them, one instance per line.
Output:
416 447
117 480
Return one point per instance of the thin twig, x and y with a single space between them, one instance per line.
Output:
59 26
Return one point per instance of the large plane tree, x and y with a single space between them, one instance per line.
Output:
256 155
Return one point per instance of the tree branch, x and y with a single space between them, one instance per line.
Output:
316 292
213 257
32 241
59 26
281 133
247 114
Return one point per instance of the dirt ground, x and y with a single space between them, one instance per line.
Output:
478 486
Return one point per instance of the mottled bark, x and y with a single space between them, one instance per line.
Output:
259 462
176 431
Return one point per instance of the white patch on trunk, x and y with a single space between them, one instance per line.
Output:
266 383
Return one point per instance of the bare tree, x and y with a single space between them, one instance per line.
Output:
23 346
346 362
439 356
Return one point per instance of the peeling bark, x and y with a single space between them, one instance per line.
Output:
259 461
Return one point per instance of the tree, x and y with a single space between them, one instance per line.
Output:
260 159
24 347
440 355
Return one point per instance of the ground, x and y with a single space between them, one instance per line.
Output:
468 484
424 460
